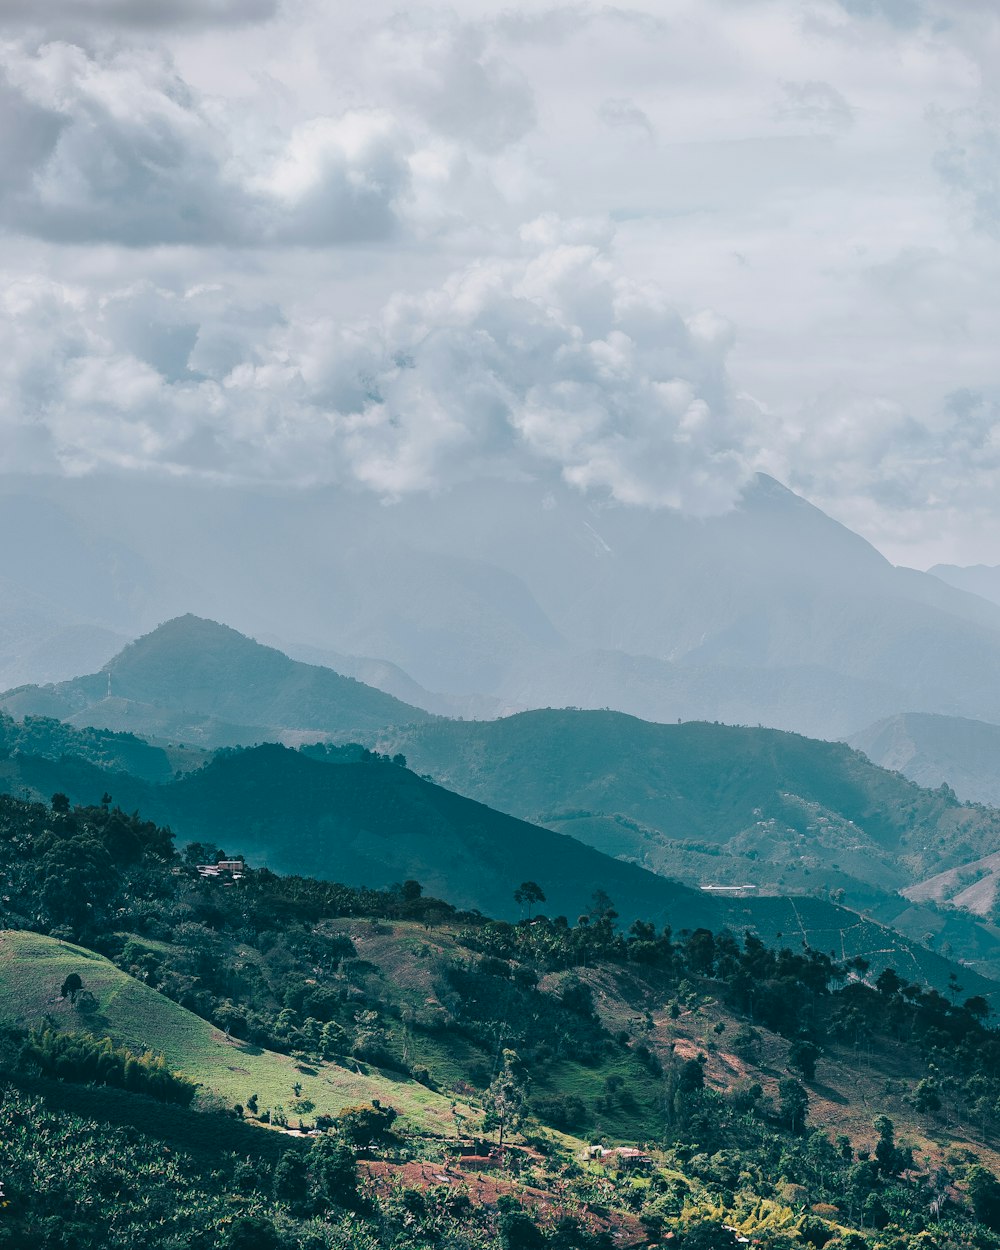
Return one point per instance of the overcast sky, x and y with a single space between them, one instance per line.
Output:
653 249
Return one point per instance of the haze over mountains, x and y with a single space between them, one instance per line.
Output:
938 750
518 594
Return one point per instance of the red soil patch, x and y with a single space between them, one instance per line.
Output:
484 1188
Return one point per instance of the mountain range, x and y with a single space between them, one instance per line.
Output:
627 805
506 595
366 821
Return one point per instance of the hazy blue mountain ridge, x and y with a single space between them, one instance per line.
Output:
935 750
197 680
518 594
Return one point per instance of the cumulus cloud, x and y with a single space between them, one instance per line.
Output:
115 146
550 362
870 457
969 163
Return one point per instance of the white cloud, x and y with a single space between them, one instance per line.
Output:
623 114
292 235
553 361
115 146
816 104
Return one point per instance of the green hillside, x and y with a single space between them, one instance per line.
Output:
119 751
33 968
800 1100
707 802
367 821
194 680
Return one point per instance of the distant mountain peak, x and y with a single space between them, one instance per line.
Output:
219 686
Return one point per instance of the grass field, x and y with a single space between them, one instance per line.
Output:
33 968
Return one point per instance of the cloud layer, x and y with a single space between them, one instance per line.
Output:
552 361
651 248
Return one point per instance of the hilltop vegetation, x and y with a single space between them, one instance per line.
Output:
120 752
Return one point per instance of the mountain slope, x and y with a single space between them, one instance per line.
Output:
976 579
660 794
33 967
196 679
938 750
370 822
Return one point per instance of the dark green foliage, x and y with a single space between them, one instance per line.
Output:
333 1180
518 1231
563 1111
984 1192
794 1104
367 1128
252 1232
802 1054
48 738
691 1077
707 1235
76 1057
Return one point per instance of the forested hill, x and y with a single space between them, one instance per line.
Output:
118 752
439 1074
366 821
361 819
699 798
198 677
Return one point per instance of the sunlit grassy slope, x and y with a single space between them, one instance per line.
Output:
33 968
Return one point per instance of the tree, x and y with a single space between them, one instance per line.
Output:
504 1101
793 1104
252 1232
601 907
203 853
290 1179
71 987
367 1126
984 1191
691 1077
803 1054
890 1158
528 893
333 1174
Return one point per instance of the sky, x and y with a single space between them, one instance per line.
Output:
649 249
